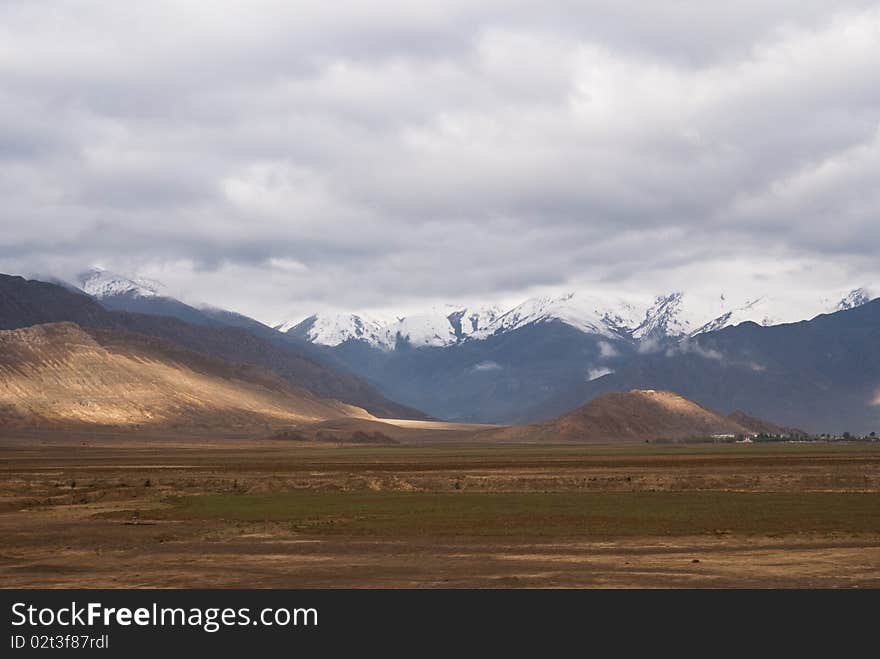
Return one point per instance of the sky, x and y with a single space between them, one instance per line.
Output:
280 158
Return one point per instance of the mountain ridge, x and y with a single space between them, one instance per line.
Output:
674 316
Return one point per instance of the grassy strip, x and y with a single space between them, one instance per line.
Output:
605 514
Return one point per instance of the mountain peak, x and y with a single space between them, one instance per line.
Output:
855 298
610 318
334 329
100 283
663 317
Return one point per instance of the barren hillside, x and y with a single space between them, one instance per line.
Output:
637 415
61 375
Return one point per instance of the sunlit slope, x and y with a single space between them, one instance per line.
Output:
59 374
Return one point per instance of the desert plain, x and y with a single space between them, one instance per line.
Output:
92 510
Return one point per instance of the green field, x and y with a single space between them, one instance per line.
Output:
571 514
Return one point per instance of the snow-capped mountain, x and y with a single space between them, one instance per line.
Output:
683 314
451 324
438 327
855 298
429 329
763 311
443 326
473 321
670 316
689 315
101 283
588 314
333 329
663 318
146 296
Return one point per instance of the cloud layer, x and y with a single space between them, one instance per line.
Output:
281 158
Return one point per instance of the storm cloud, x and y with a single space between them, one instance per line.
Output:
280 158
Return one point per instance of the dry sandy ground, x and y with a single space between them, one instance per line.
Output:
162 556
55 534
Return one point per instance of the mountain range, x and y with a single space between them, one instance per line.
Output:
821 374
674 315
812 364
60 376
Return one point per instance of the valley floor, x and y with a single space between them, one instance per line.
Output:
90 512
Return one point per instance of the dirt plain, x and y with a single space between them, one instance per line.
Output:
98 511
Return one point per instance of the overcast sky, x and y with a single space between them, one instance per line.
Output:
283 157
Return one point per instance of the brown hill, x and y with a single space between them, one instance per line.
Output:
60 375
637 415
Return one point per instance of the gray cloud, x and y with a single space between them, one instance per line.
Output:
281 158
693 347
607 351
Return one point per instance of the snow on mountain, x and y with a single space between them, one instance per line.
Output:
663 318
681 314
473 321
586 313
855 298
429 329
101 283
689 315
760 310
437 327
675 315
333 329
443 326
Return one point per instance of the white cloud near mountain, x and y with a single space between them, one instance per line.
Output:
285 158
596 373
607 351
